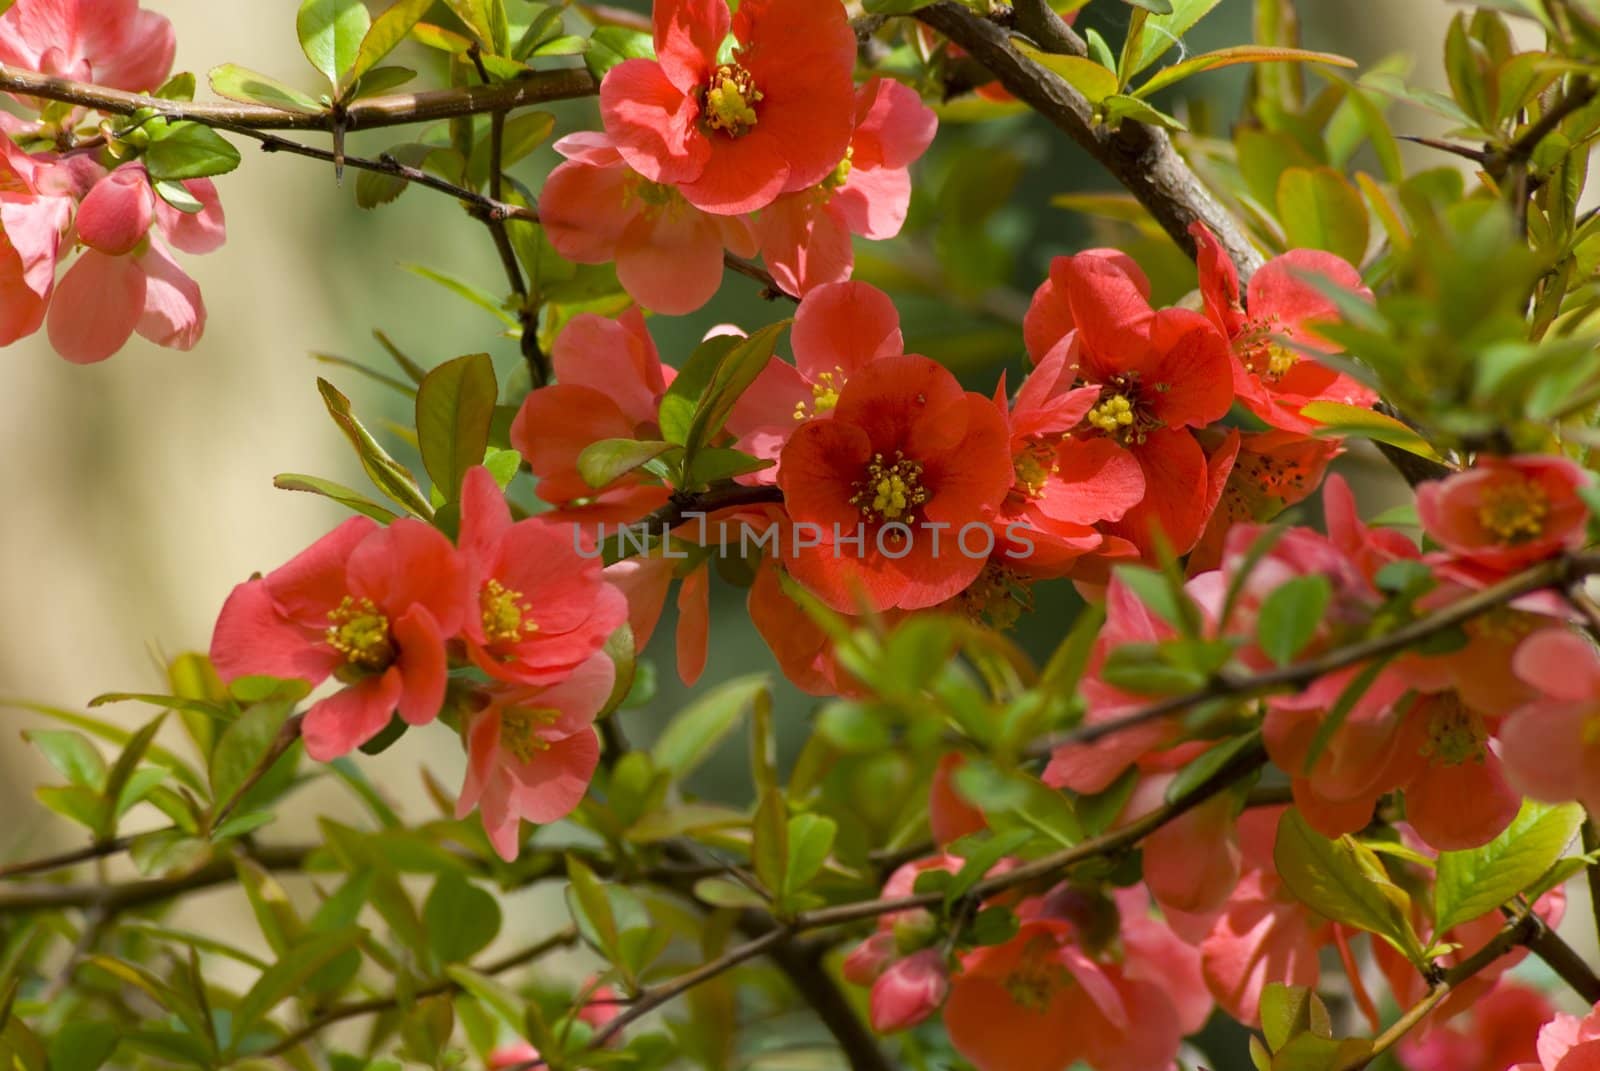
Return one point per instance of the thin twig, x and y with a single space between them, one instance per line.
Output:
394 109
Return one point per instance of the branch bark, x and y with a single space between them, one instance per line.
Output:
395 109
1140 157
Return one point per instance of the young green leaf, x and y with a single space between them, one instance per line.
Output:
810 840
607 460
455 407
461 919
189 151
1475 882
387 474
692 735
252 87
289 975
331 32
1344 881
72 755
1290 616
386 32
350 499
770 852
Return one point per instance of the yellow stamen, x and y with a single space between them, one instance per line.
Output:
824 395
1515 511
519 730
890 491
1037 976
841 174
730 101
1034 467
504 613
1113 415
359 632
1455 733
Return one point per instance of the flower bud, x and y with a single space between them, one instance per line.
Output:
868 959
914 930
909 991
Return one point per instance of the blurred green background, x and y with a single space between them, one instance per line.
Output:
140 490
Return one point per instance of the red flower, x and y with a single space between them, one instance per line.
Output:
805 236
1160 373
611 380
1504 513
1275 381
908 461
669 254
532 751
542 607
838 330
371 606
733 136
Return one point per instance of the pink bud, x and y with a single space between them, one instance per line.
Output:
909 991
512 1055
868 959
116 214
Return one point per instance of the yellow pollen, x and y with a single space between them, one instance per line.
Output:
359 632
841 174
1279 360
1034 467
653 194
730 101
504 613
824 395
890 491
1455 734
519 731
1514 512
1113 415
997 598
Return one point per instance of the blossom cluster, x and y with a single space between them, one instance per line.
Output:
77 191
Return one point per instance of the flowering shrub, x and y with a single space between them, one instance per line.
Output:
1295 786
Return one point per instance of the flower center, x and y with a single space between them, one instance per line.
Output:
1034 466
1455 734
359 632
1515 511
824 395
504 613
841 174
520 730
1037 976
890 492
997 598
730 100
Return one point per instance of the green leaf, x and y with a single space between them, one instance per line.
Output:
1475 882
1228 57
1340 421
82 805
252 87
72 755
695 731
465 290
1320 209
242 748
1290 1010
1085 75
894 7
461 919
476 16
1163 30
732 375
387 474
1290 616
289 975
611 45
350 499
189 151
83 1046
602 462
380 80
810 841
770 852
1344 881
387 31
122 771
455 407
716 463
1203 768
591 907
331 33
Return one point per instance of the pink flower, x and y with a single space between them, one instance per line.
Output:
805 236
1272 379
368 605
610 382
1551 747
33 217
512 1055
109 42
126 280
532 751
909 991
1499 1031
1506 512
542 607
733 136
1567 1043
838 330
669 254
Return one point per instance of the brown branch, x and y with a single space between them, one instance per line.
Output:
377 1005
393 109
127 896
1522 930
528 315
1139 156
